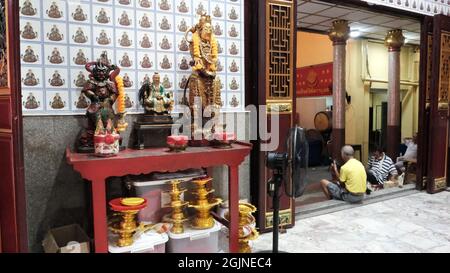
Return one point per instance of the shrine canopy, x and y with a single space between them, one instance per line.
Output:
315 80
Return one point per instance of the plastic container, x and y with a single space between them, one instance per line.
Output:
153 189
195 241
147 243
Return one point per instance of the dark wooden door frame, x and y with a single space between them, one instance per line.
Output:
424 101
12 189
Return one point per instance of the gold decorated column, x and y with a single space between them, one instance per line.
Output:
339 34
394 41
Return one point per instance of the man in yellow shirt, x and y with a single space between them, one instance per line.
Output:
351 180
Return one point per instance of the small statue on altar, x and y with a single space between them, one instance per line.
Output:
153 128
103 88
154 98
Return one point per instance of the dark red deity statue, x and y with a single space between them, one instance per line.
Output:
102 91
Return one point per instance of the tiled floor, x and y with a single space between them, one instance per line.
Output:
414 223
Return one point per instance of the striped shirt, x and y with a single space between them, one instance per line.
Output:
382 168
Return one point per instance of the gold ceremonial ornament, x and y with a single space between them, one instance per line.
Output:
177 216
247 231
203 204
125 225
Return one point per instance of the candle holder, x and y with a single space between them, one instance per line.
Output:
247 231
177 143
223 140
177 216
203 205
126 226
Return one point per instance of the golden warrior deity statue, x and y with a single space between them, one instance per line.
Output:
203 83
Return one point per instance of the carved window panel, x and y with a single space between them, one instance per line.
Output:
444 81
279 48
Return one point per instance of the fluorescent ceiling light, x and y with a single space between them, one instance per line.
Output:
355 34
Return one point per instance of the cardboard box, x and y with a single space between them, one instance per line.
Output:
66 239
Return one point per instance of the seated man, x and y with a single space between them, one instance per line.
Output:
380 166
350 183
410 154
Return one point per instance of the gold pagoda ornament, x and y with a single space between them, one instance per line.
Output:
247 231
126 225
177 217
203 204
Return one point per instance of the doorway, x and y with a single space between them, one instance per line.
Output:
366 80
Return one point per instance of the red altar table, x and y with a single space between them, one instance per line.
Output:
135 162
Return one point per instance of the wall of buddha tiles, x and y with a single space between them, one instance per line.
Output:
140 36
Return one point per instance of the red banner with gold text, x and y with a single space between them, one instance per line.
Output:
315 80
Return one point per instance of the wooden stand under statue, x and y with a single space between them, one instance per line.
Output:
152 129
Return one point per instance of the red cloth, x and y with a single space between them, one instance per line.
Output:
315 81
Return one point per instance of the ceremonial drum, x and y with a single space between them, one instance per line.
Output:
323 121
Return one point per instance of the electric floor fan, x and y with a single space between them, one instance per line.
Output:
289 169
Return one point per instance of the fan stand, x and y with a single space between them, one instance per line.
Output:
273 189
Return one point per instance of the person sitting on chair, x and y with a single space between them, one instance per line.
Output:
380 167
349 184
410 154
